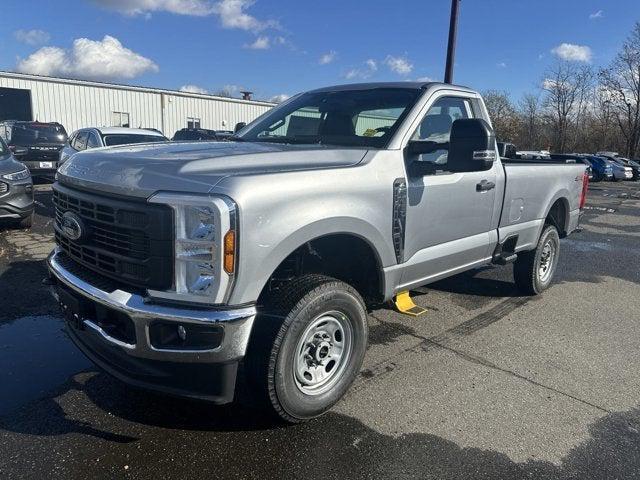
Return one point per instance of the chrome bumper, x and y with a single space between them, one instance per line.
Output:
236 323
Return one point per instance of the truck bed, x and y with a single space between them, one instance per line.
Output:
532 188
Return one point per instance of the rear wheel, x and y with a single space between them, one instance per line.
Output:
308 348
533 271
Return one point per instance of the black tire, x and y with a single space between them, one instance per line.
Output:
25 222
273 351
527 270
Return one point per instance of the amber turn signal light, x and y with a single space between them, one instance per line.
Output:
230 251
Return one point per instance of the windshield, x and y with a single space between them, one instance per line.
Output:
366 118
126 138
37 133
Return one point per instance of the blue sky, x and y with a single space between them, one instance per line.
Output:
298 45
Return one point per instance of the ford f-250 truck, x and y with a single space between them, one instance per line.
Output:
188 268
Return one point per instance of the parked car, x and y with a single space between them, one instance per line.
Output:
532 155
96 137
576 158
621 171
262 252
602 169
201 134
36 144
634 166
16 190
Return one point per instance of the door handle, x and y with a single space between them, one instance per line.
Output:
485 186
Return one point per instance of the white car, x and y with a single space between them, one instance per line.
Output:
97 137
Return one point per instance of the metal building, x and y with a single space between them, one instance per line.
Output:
78 103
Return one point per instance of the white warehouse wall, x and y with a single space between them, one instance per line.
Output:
77 104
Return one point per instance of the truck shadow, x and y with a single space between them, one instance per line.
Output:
22 291
245 444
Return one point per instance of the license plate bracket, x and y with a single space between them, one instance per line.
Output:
72 309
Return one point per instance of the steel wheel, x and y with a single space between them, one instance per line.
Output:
547 259
323 353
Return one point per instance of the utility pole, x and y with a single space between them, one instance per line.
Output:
451 47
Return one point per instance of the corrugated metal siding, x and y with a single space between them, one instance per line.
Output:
77 104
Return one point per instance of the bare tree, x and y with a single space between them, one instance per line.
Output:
622 80
529 109
502 113
565 86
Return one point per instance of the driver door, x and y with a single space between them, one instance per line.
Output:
451 221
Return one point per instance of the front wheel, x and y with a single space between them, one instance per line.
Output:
307 349
533 271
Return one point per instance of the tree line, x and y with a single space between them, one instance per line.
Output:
576 108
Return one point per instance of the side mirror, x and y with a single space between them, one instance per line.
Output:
239 126
421 147
472 146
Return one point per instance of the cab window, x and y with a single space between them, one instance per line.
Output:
80 142
92 140
436 125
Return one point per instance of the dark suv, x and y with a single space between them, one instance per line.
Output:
35 144
16 190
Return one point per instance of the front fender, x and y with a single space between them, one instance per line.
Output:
254 275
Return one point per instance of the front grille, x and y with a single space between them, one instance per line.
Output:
128 241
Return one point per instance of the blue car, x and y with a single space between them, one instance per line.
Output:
602 169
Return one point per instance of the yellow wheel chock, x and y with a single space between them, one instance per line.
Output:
404 304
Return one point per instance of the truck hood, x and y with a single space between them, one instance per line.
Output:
194 167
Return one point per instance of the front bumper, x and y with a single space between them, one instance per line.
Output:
203 374
17 201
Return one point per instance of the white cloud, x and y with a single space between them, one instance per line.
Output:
399 65
199 8
32 37
353 73
230 91
370 67
279 98
425 79
105 59
595 15
571 52
327 58
193 89
232 15
501 64
261 43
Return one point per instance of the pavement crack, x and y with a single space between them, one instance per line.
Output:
488 364
466 328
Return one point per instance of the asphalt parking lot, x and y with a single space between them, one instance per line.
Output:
488 384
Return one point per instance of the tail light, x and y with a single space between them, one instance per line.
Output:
585 187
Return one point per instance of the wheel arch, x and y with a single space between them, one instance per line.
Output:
333 251
558 214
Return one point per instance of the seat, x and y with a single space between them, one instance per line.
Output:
339 124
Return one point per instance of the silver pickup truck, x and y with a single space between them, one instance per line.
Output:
195 268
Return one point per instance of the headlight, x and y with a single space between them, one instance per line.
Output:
21 175
204 255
